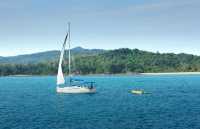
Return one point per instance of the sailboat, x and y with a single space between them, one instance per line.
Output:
80 87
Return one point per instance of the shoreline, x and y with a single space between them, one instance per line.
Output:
120 74
172 73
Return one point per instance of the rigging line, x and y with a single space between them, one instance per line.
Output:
65 40
69 54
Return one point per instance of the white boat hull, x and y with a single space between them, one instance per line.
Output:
75 90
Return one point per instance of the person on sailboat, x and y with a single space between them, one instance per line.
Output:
91 85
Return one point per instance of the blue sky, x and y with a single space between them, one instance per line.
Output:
28 26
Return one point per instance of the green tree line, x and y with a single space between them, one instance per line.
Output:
111 62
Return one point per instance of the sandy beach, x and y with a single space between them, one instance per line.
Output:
173 73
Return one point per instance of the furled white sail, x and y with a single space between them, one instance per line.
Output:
60 76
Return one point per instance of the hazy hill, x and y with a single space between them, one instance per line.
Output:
47 56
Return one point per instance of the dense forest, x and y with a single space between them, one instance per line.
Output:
110 62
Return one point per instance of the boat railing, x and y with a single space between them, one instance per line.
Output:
80 82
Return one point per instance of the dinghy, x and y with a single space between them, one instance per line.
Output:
139 92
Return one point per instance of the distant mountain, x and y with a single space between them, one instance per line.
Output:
47 56
80 50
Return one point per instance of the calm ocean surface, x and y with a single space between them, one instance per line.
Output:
32 103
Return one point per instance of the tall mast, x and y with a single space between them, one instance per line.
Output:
69 58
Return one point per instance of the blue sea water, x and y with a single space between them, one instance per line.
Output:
32 103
